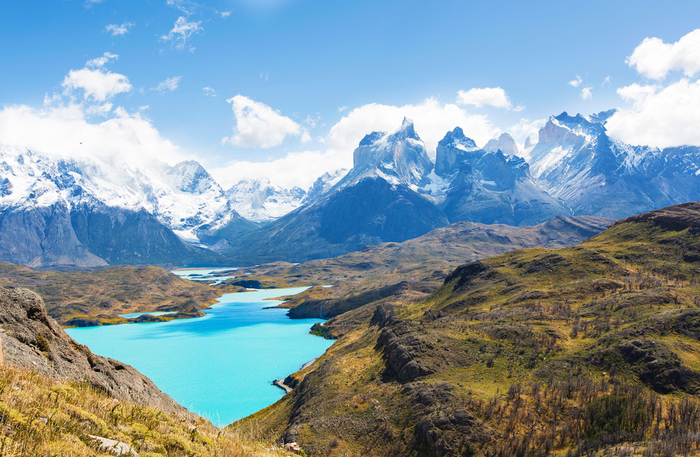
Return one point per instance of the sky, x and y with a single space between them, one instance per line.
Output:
285 89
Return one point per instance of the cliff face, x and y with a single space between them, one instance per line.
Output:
31 340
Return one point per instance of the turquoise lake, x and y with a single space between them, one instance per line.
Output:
219 366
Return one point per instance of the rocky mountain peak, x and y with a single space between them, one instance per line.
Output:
407 130
452 150
399 157
504 143
191 177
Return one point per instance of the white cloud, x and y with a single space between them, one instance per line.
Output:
606 81
169 84
258 125
636 93
587 93
130 137
486 96
432 120
101 61
655 59
576 81
295 169
185 6
661 117
209 91
181 32
526 128
97 84
119 30
224 14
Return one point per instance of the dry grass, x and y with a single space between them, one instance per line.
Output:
42 416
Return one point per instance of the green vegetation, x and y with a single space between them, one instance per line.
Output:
589 350
420 264
97 297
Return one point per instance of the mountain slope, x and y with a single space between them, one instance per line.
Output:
575 160
93 211
99 296
58 398
346 219
421 263
585 349
490 187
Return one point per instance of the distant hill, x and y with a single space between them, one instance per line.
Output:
423 263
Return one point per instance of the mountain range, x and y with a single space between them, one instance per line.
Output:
58 211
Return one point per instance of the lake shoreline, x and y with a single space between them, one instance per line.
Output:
239 332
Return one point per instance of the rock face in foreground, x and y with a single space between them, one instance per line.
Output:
32 340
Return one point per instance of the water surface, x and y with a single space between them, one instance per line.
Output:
221 365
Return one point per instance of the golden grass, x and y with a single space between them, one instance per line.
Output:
42 416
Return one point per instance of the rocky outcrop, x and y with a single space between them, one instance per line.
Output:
32 340
402 350
444 428
453 149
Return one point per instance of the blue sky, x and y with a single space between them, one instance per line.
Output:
313 62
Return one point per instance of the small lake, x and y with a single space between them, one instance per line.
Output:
219 366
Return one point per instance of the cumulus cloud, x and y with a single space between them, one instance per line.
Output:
63 128
119 29
526 128
660 116
486 96
295 169
258 125
170 84
181 33
576 81
97 83
432 120
655 59
587 93
636 93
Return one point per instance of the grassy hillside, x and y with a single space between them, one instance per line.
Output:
96 297
577 351
43 416
420 264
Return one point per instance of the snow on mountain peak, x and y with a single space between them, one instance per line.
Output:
399 157
504 143
259 200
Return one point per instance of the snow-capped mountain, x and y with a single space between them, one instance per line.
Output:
504 143
90 198
260 201
394 193
490 187
398 158
184 197
576 161
323 184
